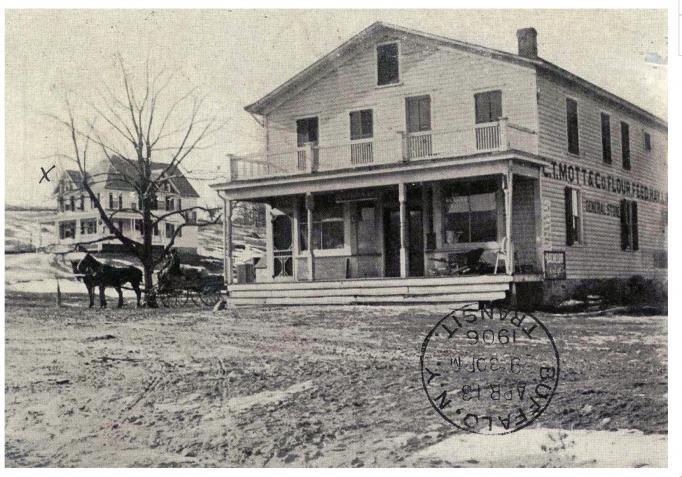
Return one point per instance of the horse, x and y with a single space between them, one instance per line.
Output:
97 274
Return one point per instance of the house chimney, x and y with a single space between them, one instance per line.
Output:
528 42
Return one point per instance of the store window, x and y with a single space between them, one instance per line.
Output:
328 225
470 212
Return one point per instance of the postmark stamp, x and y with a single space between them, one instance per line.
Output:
489 370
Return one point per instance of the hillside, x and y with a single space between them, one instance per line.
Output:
27 270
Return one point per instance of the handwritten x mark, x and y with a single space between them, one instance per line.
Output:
45 173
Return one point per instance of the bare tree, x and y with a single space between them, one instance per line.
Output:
148 133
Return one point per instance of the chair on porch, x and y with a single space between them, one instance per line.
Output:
502 254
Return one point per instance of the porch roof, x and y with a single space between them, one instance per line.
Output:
425 170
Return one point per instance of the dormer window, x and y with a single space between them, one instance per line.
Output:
388 67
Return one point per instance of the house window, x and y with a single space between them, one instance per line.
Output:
120 201
572 126
169 203
111 201
72 203
625 144
418 111
647 141
328 226
361 124
388 64
488 106
92 203
573 216
88 226
81 205
629 227
306 131
156 229
470 212
606 138
138 226
179 203
67 230
170 230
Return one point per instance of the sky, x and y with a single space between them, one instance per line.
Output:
234 57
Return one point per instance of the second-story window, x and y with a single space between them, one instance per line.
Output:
306 131
388 67
606 138
418 111
647 141
361 124
572 126
625 144
488 106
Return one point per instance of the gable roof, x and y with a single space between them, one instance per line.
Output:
72 175
333 60
115 170
119 168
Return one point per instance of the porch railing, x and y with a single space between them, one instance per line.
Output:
310 158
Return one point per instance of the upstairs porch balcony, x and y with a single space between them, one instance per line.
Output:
483 138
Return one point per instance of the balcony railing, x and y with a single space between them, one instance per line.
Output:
488 137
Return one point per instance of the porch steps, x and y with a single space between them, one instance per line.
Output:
463 289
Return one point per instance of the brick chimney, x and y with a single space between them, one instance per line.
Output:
528 42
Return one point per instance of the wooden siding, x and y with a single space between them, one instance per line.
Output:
450 77
600 254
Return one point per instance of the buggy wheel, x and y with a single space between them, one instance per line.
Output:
209 296
181 298
166 299
195 297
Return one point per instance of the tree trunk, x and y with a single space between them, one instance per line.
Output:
149 293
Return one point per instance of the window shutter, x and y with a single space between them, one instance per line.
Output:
495 105
355 125
111 201
633 225
425 114
572 126
570 232
120 201
412 115
367 123
624 224
482 107
179 203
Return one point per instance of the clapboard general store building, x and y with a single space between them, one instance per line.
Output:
405 166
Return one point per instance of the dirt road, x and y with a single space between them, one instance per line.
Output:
302 386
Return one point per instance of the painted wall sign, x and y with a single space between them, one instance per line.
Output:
577 175
546 223
602 208
555 265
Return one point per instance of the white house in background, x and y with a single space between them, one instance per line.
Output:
78 221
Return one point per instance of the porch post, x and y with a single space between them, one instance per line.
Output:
404 266
509 262
427 229
309 207
227 240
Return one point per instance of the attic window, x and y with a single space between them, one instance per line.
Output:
388 69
